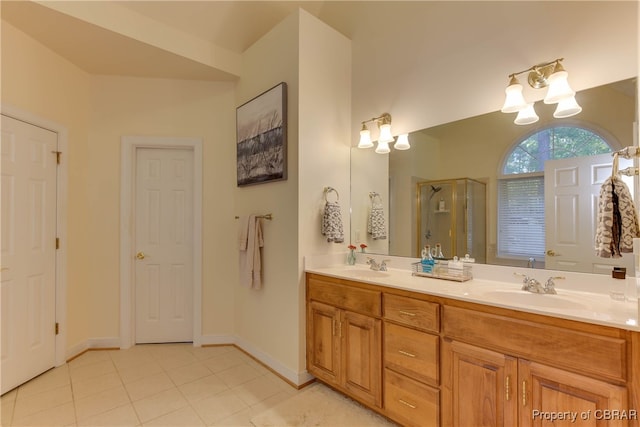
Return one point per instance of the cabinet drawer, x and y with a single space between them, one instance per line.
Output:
359 300
409 402
412 312
411 352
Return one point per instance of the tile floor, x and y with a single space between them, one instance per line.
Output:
148 385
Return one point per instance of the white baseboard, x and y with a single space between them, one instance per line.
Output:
90 344
216 340
296 378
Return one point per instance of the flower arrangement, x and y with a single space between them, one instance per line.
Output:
363 247
351 256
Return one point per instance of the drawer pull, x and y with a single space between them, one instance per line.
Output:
404 402
407 313
406 353
524 393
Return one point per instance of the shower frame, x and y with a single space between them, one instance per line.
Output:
453 182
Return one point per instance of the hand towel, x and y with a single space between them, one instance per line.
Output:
331 226
375 222
250 242
617 220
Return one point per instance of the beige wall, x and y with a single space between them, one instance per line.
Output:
40 82
314 62
156 107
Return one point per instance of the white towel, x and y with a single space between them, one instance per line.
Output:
617 222
331 226
375 222
250 241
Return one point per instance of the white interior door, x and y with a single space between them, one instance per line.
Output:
164 245
28 251
572 188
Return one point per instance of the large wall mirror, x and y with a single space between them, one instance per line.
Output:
446 188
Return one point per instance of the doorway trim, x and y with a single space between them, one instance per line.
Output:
61 220
129 147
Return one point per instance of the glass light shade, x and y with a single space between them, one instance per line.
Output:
567 107
514 101
526 116
383 147
365 139
402 143
559 88
385 134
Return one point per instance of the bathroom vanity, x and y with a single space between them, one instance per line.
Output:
427 352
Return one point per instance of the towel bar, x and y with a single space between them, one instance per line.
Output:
266 216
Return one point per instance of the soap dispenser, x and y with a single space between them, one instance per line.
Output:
427 260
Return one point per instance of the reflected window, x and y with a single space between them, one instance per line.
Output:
521 232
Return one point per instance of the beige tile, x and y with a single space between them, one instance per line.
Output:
53 378
182 417
204 387
223 362
126 359
149 386
239 419
138 372
159 404
218 407
89 358
258 389
90 370
101 402
189 373
88 386
121 416
29 405
177 360
203 353
272 401
61 415
238 375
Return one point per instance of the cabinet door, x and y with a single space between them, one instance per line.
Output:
478 386
545 391
361 357
323 341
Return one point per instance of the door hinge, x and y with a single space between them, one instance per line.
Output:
58 156
57 243
57 328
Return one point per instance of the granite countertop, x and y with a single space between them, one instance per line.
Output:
569 303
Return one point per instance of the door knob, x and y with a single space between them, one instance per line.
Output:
140 255
551 252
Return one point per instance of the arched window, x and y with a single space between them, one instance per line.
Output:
521 229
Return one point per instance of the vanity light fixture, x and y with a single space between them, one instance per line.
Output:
384 137
550 74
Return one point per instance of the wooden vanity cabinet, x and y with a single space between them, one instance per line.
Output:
344 339
491 380
428 361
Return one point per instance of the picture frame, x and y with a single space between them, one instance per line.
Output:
261 138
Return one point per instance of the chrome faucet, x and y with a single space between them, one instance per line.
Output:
377 267
532 285
531 263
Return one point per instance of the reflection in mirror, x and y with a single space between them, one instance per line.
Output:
476 149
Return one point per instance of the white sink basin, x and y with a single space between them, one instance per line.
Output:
363 273
525 298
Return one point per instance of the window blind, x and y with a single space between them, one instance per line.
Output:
521 230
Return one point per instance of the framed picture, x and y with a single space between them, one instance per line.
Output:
261 133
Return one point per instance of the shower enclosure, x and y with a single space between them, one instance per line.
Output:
453 214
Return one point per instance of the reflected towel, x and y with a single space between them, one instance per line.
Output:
331 226
375 222
617 221
250 241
